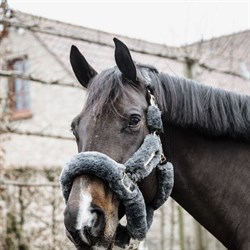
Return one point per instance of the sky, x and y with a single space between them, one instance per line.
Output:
173 23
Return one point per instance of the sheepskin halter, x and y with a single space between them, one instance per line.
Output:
123 178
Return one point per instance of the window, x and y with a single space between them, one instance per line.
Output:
19 92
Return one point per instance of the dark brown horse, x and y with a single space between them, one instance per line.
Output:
206 137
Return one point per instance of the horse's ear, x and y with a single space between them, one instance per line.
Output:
124 60
83 71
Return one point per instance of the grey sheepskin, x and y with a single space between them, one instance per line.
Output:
154 121
127 191
147 157
122 180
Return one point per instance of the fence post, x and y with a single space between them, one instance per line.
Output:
199 237
172 225
163 224
181 229
53 226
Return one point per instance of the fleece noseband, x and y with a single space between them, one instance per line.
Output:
123 178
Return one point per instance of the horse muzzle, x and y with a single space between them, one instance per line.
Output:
89 234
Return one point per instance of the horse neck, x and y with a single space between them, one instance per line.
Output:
211 177
211 170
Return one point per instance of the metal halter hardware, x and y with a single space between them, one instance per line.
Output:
152 102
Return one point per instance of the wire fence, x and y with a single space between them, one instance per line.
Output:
31 209
32 214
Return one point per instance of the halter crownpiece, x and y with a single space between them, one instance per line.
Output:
123 178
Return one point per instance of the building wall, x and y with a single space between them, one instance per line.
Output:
34 152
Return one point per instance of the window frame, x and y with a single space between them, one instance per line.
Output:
25 112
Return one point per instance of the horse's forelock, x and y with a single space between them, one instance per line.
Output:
106 89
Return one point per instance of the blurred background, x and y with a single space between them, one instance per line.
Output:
39 96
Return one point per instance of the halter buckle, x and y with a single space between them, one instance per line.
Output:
163 159
134 245
152 100
127 183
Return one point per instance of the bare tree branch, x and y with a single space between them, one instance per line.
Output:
164 54
30 77
227 72
8 129
25 184
36 28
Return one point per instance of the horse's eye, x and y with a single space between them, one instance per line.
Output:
134 120
73 131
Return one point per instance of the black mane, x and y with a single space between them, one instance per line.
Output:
106 89
185 102
214 111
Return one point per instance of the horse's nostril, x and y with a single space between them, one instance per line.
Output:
97 223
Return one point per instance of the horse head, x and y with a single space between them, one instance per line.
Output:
112 122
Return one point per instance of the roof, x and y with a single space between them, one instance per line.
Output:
59 36
228 54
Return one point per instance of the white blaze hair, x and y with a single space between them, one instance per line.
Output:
84 216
